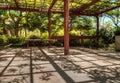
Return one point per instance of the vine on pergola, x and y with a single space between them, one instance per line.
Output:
77 7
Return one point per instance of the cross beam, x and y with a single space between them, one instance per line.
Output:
28 9
109 9
52 4
16 3
85 6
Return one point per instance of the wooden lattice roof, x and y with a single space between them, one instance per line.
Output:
77 7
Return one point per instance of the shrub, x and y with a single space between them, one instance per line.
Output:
58 43
75 42
34 37
107 34
3 39
38 43
117 31
15 40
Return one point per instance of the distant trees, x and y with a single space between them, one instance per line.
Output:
114 16
81 24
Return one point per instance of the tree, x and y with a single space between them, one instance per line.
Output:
37 21
81 24
15 17
114 16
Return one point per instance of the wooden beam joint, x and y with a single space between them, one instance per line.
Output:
16 3
52 4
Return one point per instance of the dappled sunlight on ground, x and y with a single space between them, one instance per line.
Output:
50 65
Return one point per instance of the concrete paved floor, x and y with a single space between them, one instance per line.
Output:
49 65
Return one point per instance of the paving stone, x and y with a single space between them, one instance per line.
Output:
114 61
92 55
103 54
66 65
8 55
4 63
15 79
100 57
43 68
1 68
48 77
90 69
75 59
78 77
17 70
85 64
89 58
80 55
40 62
25 62
101 62
19 59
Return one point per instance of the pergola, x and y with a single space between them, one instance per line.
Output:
67 8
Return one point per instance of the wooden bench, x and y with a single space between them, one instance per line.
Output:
37 40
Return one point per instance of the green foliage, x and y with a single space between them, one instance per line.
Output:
117 31
81 23
15 40
34 37
37 21
75 42
57 24
58 43
44 36
38 43
114 16
3 39
73 33
107 33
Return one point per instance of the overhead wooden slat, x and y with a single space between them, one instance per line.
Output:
109 9
85 6
89 8
28 9
52 4
16 3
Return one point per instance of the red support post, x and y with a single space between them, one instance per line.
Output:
49 27
66 27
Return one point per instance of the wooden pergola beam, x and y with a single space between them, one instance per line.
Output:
49 27
75 37
109 9
85 6
52 4
78 13
28 9
16 3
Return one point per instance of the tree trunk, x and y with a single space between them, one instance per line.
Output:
4 29
25 32
16 30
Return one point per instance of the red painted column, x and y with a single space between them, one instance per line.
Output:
49 27
66 27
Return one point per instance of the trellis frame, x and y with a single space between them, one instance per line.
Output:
67 11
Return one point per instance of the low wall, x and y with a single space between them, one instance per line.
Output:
117 43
